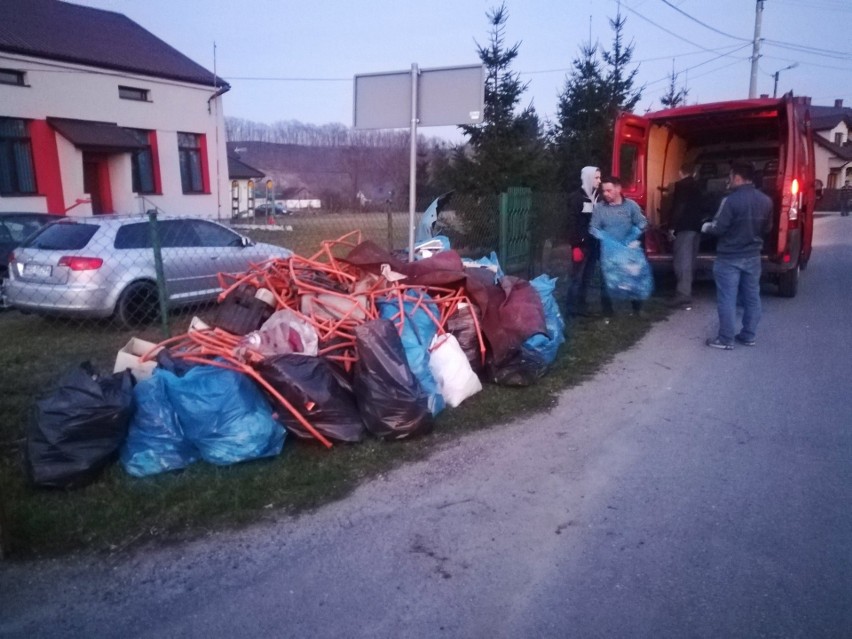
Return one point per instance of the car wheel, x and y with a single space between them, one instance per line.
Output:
788 283
138 305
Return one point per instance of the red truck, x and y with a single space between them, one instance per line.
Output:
773 134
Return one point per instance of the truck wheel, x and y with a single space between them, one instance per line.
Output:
138 305
788 282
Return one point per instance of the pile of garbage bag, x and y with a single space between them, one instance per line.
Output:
349 342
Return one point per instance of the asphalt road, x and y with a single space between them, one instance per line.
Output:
683 492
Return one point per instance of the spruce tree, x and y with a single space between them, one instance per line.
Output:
578 136
674 96
595 92
507 149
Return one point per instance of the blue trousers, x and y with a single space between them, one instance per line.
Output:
737 278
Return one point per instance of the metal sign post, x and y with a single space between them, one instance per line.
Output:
412 169
426 97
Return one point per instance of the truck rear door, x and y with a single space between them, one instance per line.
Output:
808 187
629 157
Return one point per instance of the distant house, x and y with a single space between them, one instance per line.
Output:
833 145
245 182
98 115
299 197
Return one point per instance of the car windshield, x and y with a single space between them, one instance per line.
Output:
63 236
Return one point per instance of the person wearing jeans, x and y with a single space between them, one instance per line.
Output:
738 278
741 223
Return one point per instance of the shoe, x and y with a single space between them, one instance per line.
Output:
745 342
680 302
717 343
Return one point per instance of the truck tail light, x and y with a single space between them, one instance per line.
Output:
81 263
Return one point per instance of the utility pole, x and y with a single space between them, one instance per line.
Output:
755 51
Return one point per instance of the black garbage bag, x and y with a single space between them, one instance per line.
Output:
78 428
392 402
462 325
523 368
313 386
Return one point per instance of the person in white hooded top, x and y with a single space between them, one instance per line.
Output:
586 250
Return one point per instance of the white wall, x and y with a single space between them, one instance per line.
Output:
74 91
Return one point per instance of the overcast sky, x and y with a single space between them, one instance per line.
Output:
288 60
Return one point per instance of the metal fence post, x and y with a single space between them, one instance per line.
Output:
503 240
158 266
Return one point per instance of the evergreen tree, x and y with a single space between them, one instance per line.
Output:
594 94
578 135
507 149
674 96
621 94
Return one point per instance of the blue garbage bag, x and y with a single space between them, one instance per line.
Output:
224 415
490 262
547 346
626 270
155 441
417 333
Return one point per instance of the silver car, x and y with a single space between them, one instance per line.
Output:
103 266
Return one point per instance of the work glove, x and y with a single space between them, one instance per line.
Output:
706 227
671 235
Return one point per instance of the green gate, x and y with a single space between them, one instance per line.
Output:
515 206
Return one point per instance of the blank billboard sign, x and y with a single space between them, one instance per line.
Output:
445 96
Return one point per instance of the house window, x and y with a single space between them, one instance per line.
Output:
133 93
10 76
832 179
142 164
189 151
17 175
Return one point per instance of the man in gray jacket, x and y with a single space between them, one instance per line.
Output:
741 223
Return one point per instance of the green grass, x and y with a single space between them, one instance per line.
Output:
307 231
118 510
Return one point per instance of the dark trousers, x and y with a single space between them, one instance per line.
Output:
582 277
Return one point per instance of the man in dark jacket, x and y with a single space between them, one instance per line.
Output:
585 249
686 228
743 220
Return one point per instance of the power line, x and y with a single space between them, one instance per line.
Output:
285 79
729 48
704 24
672 33
828 53
701 64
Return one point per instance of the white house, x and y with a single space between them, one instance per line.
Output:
833 145
98 115
247 186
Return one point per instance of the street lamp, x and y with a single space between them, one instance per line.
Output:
775 75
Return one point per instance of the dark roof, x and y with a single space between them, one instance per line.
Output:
95 136
238 170
72 33
843 152
828 117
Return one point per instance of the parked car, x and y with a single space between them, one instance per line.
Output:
14 229
104 265
277 209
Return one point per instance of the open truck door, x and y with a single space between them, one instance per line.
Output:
630 154
808 190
